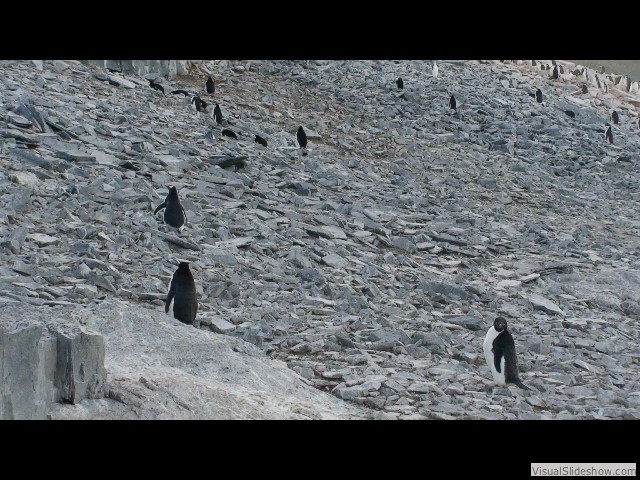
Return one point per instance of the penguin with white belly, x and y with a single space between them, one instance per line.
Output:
500 353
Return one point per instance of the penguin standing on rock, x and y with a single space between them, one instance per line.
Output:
608 134
554 73
539 95
174 213
452 102
400 83
217 114
182 290
615 118
500 353
209 86
302 139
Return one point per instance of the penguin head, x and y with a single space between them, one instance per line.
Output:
183 265
500 324
172 190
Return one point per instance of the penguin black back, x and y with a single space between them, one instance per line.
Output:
452 102
505 347
229 133
209 86
400 83
302 137
584 88
539 96
608 135
554 74
197 101
570 113
615 118
217 114
183 92
182 291
156 86
261 140
174 213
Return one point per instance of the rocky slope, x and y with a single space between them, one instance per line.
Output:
374 265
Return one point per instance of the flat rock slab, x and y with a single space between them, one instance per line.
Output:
43 240
540 303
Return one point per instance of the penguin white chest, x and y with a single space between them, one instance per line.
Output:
487 346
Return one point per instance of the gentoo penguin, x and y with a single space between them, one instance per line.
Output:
500 353
608 134
434 70
614 117
539 95
570 113
156 86
210 86
400 83
228 133
554 74
217 114
174 214
260 140
452 102
302 139
182 291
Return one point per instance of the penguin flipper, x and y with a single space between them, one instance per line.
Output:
160 207
498 355
170 294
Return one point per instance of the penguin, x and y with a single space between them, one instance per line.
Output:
584 88
500 353
608 134
196 102
539 95
554 73
209 86
302 139
261 140
174 213
614 117
156 86
228 133
400 83
217 114
183 92
452 102
434 69
570 113
182 290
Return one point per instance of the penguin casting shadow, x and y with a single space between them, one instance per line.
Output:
174 213
182 291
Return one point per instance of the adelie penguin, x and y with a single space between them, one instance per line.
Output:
400 83
182 290
156 86
302 139
608 135
539 95
500 354
217 114
615 118
452 102
209 86
174 213
229 133
554 73
180 91
260 140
